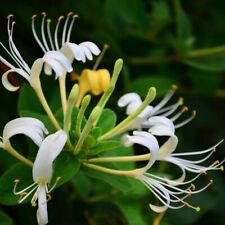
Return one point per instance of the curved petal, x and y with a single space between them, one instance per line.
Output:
42 212
61 58
91 46
148 141
127 99
161 120
86 51
168 147
6 82
48 151
71 50
33 128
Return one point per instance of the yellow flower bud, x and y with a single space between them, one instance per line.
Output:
93 81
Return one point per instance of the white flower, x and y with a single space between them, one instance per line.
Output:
147 140
42 171
53 59
132 101
80 52
33 128
170 192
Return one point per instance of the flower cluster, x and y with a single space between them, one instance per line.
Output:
143 126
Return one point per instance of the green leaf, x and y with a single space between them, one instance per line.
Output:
119 182
213 63
107 120
17 171
66 166
131 210
104 146
5 219
144 82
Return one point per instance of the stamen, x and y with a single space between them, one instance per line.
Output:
54 185
100 57
56 32
65 27
49 34
186 121
14 51
70 27
183 110
25 195
23 190
43 31
35 34
167 97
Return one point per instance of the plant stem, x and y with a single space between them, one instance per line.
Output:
121 159
128 173
198 53
126 124
46 107
62 87
18 156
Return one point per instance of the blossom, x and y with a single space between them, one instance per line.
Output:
31 127
132 101
42 172
54 59
80 52
171 193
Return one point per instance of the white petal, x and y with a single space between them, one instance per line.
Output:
6 82
42 212
91 46
47 69
33 128
148 141
161 120
168 147
48 151
127 99
71 50
86 52
61 58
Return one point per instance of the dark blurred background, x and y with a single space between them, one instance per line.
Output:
162 42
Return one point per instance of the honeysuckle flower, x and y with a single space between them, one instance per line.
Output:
170 193
80 52
54 59
42 172
31 127
132 101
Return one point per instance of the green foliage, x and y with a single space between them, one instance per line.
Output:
5 219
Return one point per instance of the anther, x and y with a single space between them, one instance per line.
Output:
16 181
43 14
23 194
33 204
49 20
49 197
174 87
222 168
194 113
75 16
70 14
193 187
60 18
10 16
185 109
34 16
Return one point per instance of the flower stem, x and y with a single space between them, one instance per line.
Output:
121 159
87 128
18 156
128 173
69 109
84 104
62 87
105 97
126 123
